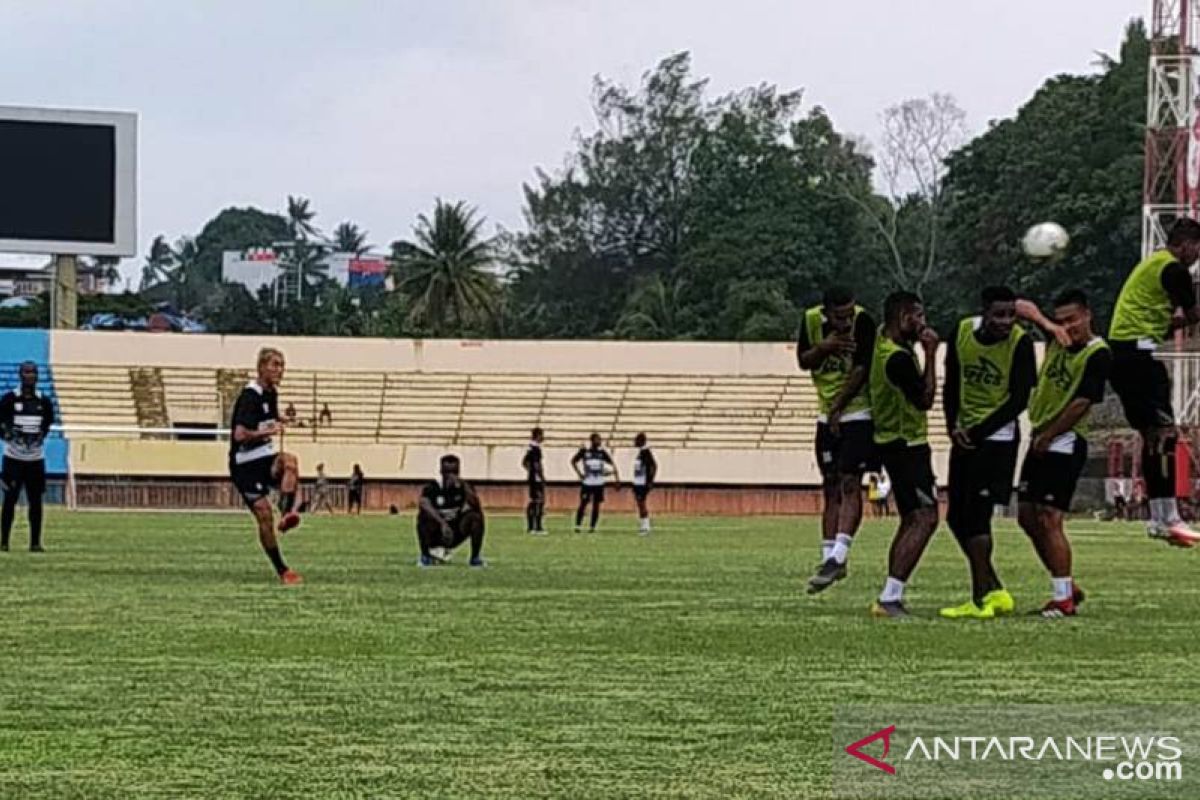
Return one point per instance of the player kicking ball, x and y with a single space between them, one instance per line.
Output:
1070 382
254 465
448 514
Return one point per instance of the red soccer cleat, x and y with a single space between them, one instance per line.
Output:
288 521
290 578
1057 609
1180 535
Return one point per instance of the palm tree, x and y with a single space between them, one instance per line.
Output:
653 310
348 238
185 277
444 272
160 264
300 218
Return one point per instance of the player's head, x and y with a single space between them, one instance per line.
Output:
449 466
357 468
839 308
639 440
595 440
904 314
270 367
320 467
999 305
537 435
1071 310
28 373
1183 240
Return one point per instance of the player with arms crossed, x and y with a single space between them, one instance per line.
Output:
25 419
1070 382
901 396
645 472
835 345
990 372
592 464
1157 298
535 475
448 514
254 465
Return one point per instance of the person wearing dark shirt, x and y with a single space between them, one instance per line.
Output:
1070 382
592 464
448 514
990 371
535 475
254 464
25 420
902 394
645 472
354 491
835 345
1157 298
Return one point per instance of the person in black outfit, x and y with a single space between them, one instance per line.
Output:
354 491
535 474
645 471
448 514
25 419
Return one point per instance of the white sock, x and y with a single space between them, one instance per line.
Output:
645 523
1063 587
893 591
841 548
826 549
1170 511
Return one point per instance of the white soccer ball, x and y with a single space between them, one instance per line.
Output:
1045 240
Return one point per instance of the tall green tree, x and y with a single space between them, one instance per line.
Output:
159 266
349 238
445 273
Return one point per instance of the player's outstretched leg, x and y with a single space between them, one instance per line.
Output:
1159 468
1044 527
847 500
287 472
265 518
916 529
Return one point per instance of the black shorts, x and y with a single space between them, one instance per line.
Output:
28 475
255 479
1142 383
851 452
641 492
354 497
593 493
913 484
1050 479
980 480
537 492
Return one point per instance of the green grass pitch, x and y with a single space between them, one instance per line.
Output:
151 655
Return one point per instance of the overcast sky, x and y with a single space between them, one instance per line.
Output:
373 109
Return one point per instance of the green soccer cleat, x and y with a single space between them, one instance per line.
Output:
1000 602
968 610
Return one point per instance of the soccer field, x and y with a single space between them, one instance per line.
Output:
152 655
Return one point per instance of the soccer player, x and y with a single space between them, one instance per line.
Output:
321 492
990 372
835 345
596 465
1157 298
901 396
535 475
25 419
645 471
1070 382
256 467
448 514
355 491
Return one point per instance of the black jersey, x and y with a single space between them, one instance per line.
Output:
256 409
24 422
534 471
450 501
594 461
645 468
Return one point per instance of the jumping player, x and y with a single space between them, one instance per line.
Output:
1157 299
254 465
448 514
596 465
990 371
1071 381
25 419
835 345
901 396
535 476
645 472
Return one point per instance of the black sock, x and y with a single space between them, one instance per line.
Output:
276 559
579 516
531 517
7 516
287 501
595 514
35 521
538 515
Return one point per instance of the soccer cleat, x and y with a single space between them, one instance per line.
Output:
428 561
1057 609
1000 602
477 562
288 521
290 578
578 529
3 548
890 610
827 575
36 548
1180 535
968 610
538 532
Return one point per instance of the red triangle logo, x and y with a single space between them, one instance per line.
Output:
885 734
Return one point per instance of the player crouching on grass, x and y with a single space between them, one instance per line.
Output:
1070 382
254 465
448 514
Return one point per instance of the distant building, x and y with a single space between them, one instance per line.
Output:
259 267
27 281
